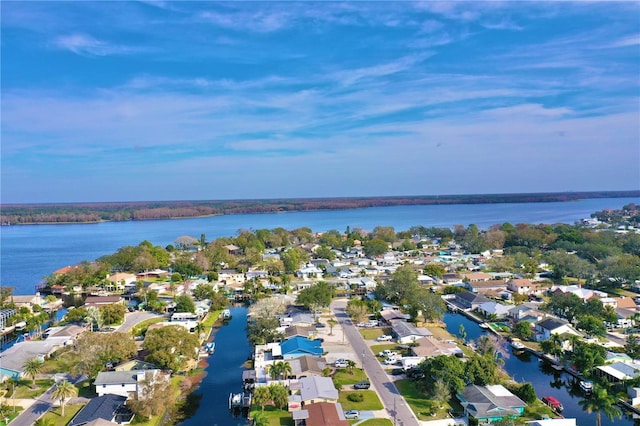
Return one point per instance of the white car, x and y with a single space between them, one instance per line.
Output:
387 353
384 338
341 363
390 361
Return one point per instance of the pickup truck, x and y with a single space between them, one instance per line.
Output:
392 360
384 338
387 353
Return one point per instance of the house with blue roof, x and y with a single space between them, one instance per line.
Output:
298 346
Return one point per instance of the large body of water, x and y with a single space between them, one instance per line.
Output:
545 380
224 374
31 252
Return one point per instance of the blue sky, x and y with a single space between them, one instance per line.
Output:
120 101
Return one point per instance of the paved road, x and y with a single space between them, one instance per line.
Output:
133 318
43 404
391 399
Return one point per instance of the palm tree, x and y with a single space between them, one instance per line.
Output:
351 364
274 370
600 401
32 368
63 391
331 323
285 369
441 392
261 395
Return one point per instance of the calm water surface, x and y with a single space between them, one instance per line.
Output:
224 374
30 252
545 380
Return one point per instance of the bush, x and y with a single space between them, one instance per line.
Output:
355 397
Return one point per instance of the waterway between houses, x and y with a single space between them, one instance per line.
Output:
546 380
224 374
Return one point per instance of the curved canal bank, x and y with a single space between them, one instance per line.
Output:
546 380
223 374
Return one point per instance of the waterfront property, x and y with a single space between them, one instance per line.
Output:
125 383
490 403
104 409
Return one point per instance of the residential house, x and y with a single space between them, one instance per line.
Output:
408 333
307 365
486 286
452 278
490 403
98 301
391 315
156 273
299 331
314 389
522 286
14 358
618 371
325 414
233 249
429 347
476 276
109 408
298 346
582 293
120 280
231 276
525 312
494 310
309 271
28 301
548 326
469 301
125 383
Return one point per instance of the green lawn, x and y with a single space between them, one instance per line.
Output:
373 333
276 416
69 411
141 328
379 348
377 422
11 414
25 391
344 377
424 409
370 402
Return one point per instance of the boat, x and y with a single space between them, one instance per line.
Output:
517 346
553 403
226 315
557 367
586 386
484 326
210 347
239 400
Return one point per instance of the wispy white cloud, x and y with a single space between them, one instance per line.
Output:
86 45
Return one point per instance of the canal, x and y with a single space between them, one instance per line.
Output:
545 380
224 374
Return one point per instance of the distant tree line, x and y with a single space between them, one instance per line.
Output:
95 212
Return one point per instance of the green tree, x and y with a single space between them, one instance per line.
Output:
184 303
592 325
170 347
318 295
324 252
62 392
632 347
76 315
434 270
32 367
441 392
601 402
203 291
260 419
527 393
261 396
401 287
293 259
449 369
113 313
375 247
94 350
279 395
157 394
385 233
332 323
523 330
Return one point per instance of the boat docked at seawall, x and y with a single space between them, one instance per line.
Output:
553 403
239 400
586 386
517 346
226 315
484 326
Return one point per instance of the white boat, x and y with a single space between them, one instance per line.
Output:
517 346
484 326
586 385
226 314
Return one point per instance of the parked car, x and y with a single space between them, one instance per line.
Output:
361 324
387 353
390 361
362 385
352 414
341 363
384 338
397 371
320 325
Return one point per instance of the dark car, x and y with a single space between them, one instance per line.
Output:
320 325
362 385
397 371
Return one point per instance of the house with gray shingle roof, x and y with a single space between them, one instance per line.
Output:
107 408
490 403
408 333
317 389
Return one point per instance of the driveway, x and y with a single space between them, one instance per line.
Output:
394 403
133 318
41 405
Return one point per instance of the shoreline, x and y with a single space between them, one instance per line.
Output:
13 212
